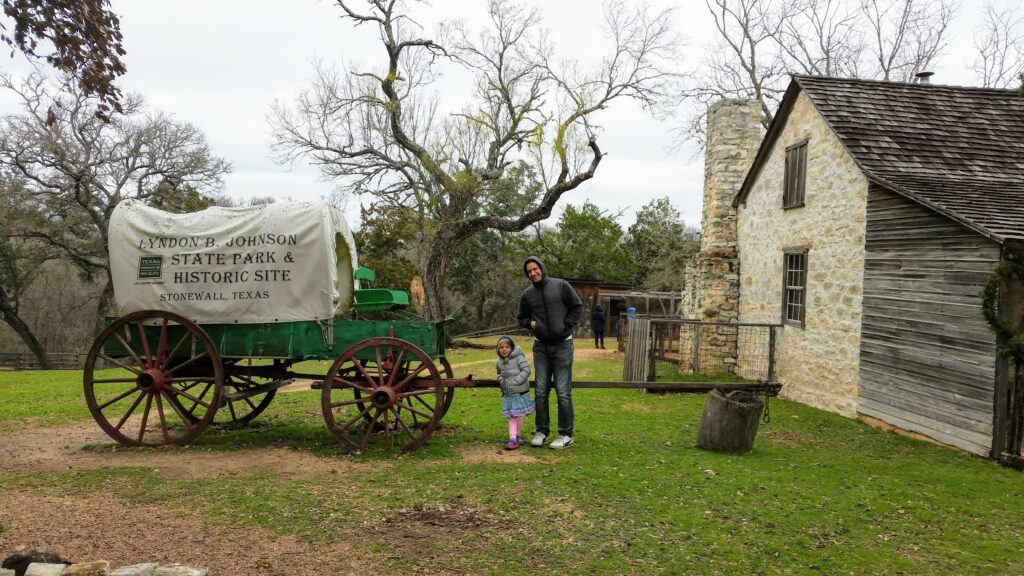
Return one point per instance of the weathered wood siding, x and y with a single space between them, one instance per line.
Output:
927 361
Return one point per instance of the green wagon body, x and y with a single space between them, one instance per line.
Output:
296 341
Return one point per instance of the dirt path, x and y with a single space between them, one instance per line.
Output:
103 526
578 354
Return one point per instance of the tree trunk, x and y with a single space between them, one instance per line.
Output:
103 306
11 318
434 278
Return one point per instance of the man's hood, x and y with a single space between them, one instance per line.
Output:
543 270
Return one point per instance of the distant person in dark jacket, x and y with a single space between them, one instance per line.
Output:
597 324
619 309
551 309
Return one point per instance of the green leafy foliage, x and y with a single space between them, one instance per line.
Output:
385 236
661 245
587 244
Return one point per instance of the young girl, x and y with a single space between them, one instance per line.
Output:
514 380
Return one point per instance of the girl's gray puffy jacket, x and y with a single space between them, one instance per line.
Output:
514 373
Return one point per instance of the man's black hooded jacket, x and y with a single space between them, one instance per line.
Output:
552 303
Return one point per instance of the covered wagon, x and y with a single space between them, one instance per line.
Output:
215 307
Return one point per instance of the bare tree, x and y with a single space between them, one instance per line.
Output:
77 167
21 260
1000 60
381 133
745 62
907 35
762 42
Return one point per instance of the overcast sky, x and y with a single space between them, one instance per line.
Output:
219 64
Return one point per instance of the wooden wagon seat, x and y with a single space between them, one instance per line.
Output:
376 299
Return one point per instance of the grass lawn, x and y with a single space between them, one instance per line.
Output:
819 493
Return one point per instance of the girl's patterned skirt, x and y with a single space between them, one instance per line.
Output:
516 405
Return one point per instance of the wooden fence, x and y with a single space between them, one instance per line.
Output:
28 361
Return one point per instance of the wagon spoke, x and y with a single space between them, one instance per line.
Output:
119 363
190 397
118 398
402 423
161 345
387 430
111 380
425 415
423 366
398 362
196 379
353 385
415 418
362 369
128 348
188 362
170 355
195 404
357 417
429 408
130 411
231 408
145 417
369 430
163 421
145 346
380 366
179 409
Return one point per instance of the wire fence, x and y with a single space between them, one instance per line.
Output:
713 348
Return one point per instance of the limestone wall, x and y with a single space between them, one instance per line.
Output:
817 364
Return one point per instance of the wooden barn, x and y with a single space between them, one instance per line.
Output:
868 224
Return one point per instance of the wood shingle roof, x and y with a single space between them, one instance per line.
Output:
957 150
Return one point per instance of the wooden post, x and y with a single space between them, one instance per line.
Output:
771 353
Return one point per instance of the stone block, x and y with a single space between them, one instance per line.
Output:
44 569
180 570
145 569
6 572
96 568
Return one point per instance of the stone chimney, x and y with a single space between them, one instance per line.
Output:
713 279
733 136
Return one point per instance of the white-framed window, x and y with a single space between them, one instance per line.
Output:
794 286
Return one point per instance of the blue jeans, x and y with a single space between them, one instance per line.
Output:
553 364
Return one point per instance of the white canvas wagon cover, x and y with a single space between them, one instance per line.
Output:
277 262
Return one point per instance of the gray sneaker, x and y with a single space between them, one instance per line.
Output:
538 440
561 442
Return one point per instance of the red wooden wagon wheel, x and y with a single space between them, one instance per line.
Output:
375 402
153 378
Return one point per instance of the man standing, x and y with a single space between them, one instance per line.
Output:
551 309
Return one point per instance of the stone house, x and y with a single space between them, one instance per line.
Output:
867 225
